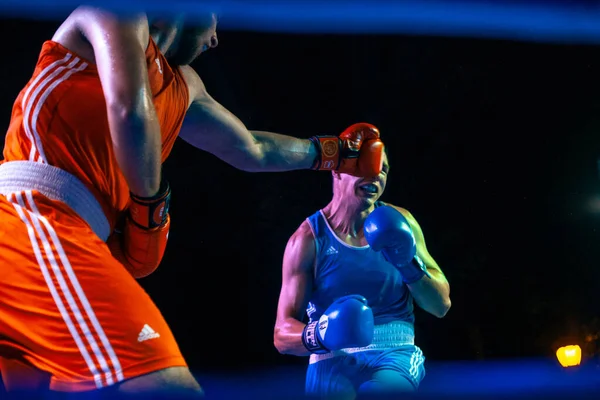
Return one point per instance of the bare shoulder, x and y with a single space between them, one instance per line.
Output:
300 251
302 241
303 233
77 30
195 84
69 36
90 15
196 87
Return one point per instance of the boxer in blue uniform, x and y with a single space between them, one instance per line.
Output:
354 269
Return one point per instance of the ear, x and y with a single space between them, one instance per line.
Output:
335 175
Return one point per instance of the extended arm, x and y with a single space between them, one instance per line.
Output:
296 285
211 127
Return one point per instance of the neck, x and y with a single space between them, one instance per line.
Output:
347 218
165 35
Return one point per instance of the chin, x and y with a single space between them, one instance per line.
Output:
178 58
366 202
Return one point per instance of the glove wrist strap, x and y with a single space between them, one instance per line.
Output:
310 339
151 212
328 153
414 271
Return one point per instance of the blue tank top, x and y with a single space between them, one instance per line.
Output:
343 269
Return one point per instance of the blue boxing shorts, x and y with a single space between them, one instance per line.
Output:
391 364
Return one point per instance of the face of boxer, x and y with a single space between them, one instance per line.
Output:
190 39
365 191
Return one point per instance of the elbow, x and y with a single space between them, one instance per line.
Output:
129 108
127 118
251 168
279 346
284 343
247 158
121 109
253 157
443 308
252 160
279 343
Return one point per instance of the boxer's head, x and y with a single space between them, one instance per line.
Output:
365 191
182 40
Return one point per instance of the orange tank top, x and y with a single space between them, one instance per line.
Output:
60 118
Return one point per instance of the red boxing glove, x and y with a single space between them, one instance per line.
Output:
141 245
357 151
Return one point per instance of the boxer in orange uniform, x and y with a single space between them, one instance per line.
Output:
84 208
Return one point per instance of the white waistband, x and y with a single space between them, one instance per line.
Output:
387 336
56 184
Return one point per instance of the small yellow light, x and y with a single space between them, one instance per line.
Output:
569 356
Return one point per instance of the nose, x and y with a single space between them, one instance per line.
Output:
214 42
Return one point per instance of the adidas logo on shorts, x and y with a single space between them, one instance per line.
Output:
147 333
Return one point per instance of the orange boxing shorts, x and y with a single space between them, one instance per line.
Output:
67 307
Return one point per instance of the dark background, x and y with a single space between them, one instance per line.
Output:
493 147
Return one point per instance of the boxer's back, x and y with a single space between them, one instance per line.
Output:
60 118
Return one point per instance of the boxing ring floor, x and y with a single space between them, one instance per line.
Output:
465 380
507 379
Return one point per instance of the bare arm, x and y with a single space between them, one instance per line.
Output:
296 286
431 294
211 127
119 49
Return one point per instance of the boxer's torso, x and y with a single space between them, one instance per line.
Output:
342 269
60 118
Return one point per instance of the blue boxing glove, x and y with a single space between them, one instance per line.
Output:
348 322
388 231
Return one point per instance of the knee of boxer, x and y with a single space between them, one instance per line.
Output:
176 383
19 377
383 389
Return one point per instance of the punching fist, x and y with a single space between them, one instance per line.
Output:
348 322
388 231
357 151
141 243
